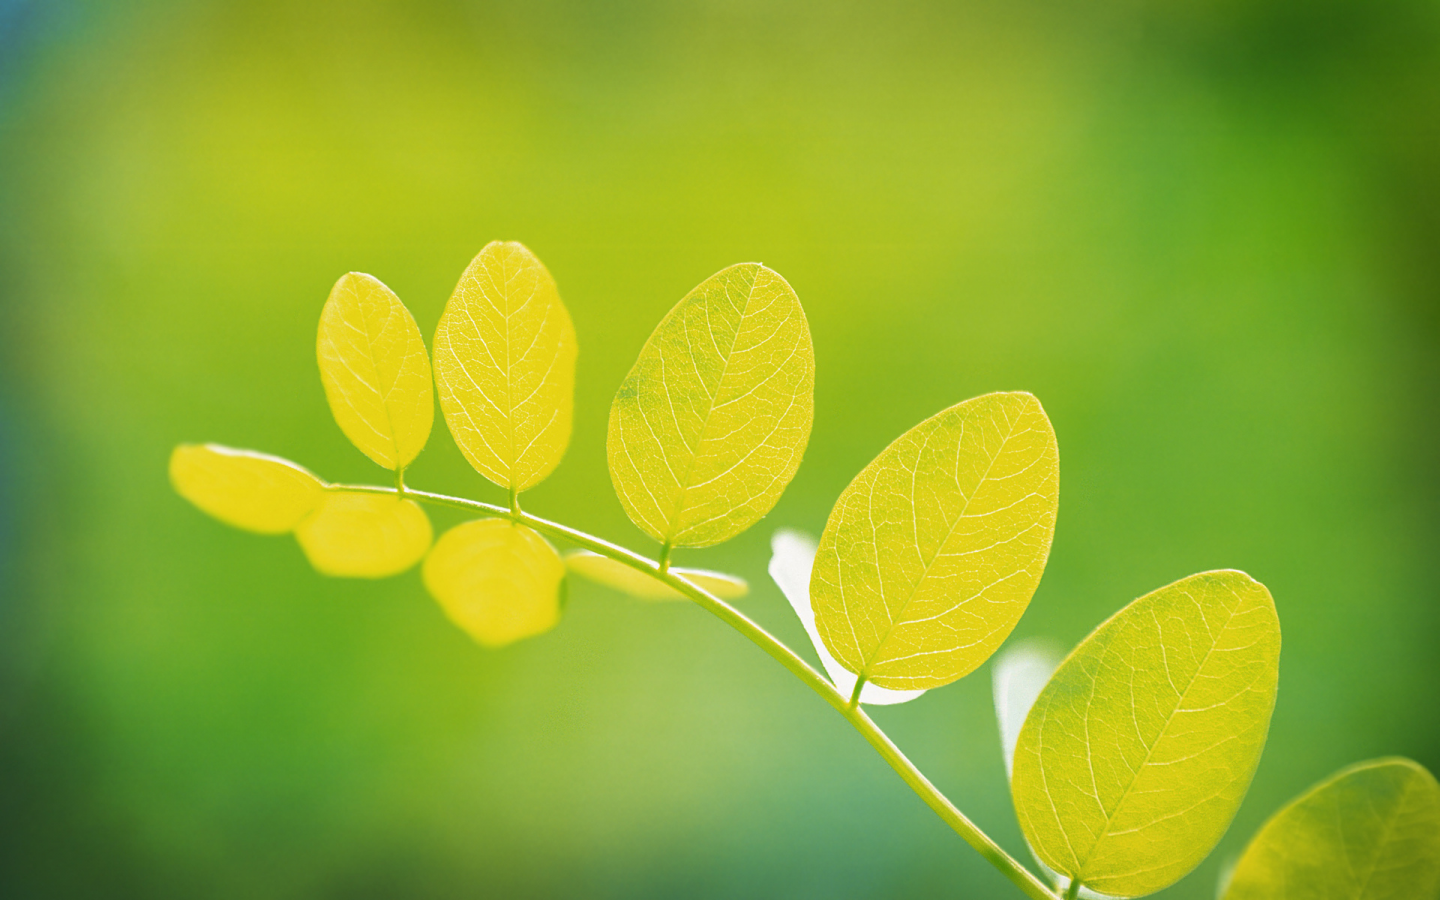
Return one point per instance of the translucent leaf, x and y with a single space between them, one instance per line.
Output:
933 552
498 581
243 488
375 371
359 535
709 426
1018 676
791 557
505 365
622 578
1369 832
1137 753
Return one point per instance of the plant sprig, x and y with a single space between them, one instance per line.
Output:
1128 759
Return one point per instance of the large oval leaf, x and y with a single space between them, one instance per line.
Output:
375 371
933 552
243 488
617 575
1369 832
505 365
361 535
1136 755
709 426
497 580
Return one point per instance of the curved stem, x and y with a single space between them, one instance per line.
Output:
1032 886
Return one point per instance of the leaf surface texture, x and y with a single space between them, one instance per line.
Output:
361 535
375 370
1136 755
244 488
505 366
1370 832
932 553
710 424
497 580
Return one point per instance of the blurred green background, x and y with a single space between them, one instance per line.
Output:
1205 233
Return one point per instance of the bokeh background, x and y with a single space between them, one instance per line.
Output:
1205 233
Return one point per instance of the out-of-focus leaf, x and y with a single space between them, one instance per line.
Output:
606 571
1020 673
497 580
361 535
792 554
709 426
1137 753
932 553
375 371
505 365
243 488
1369 832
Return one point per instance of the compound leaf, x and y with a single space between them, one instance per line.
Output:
932 553
1136 755
792 556
375 371
505 365
1369 832
709 425
362 535
243 488
612 574
497 580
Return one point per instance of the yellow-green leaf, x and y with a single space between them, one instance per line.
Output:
361 535
375 371
612 574
505 365
932 553
1136 755
497 580
1369 832
709 426
243 488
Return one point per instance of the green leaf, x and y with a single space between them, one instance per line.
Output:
933 552
709 426
497 580
361 535
505 365
375 371
617 575
1369 832
243 488
1136 755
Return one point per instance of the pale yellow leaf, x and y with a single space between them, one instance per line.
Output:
505 366
243 488
932 553
1136 755
497 580
363 535
709 426
617 575
375 371
1369 832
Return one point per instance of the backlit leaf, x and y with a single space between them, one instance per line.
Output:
792 555
243 488
362 535
1018 676
497 580
505 366
932 553
375 371
1369 832
1135 757
709 426
606 571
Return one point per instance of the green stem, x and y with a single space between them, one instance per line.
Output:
1073 890
993 853
855 694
